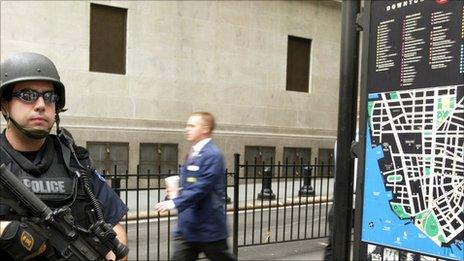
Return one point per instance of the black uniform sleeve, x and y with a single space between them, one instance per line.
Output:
113 207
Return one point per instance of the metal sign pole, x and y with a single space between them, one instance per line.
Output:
346 131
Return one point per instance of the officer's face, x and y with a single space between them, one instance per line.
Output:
195 130
35 115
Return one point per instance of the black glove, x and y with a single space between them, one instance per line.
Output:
21 241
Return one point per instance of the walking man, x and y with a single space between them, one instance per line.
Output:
202 225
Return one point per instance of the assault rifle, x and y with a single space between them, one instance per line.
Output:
72 242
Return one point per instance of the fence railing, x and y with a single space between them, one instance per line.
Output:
148 240
270 203
280 202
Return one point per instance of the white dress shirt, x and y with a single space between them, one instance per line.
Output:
195 150
198 146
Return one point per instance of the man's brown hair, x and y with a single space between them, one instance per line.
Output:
208 119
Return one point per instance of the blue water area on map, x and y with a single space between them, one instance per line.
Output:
382 226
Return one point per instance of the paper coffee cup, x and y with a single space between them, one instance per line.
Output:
172 183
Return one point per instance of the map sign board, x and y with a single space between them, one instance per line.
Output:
413 197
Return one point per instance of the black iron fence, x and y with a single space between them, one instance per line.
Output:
280 202
266 202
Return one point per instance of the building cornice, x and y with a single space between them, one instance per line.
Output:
177 127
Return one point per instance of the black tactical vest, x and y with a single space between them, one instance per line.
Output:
53 180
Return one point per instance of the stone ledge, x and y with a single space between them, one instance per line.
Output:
93 123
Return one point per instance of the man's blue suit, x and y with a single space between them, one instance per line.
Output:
201 205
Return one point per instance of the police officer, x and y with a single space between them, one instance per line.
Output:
31 98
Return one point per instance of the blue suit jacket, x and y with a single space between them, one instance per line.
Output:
201 205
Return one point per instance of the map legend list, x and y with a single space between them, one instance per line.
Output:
461 64
384 53
411 48
414 48
440 43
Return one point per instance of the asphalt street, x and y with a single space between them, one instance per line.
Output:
149 239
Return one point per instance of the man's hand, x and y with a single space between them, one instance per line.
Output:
172 192
3 225
165 206
122 237
110 256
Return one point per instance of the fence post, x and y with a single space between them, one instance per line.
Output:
226 196
236 193
306 189
117 181
266 190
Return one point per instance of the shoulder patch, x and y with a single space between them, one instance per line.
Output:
27 241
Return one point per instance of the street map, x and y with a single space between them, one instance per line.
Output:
421 133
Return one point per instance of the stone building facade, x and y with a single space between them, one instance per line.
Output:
226 57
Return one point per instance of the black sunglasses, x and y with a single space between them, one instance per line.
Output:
31 96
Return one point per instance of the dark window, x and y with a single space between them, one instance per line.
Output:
298 57
261 156
326 156
296 158
297 155
107 39
325 163
107 155
158 158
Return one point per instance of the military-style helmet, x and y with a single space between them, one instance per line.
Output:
28 66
